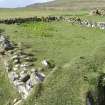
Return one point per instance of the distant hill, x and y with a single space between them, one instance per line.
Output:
70 4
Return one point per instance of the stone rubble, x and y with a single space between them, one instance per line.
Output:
5 43
98 12
84 22
20 68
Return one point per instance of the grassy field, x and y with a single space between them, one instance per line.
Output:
75 50
28 12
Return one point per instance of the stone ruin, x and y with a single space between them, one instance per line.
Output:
99 12
20 68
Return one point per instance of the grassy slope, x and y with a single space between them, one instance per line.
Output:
63 43
71 4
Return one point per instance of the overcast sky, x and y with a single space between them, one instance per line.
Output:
18 3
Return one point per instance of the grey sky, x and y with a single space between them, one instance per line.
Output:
18 3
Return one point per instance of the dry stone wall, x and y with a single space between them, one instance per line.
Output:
85 23
20 68
29 19
72 20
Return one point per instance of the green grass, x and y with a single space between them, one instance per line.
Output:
64 43
27 12
7 92
30 12
57 40
66 86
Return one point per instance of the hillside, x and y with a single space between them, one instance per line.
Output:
70 4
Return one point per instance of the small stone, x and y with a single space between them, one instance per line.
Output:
14 57
17 83
13 76
40 76
18 102
15 68
16 61
45 63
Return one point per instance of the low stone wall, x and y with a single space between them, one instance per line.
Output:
20 68
29 19
85 23
72 20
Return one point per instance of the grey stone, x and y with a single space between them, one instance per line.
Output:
13 76
39 76
17 83
23 91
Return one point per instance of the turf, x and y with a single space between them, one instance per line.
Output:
65 44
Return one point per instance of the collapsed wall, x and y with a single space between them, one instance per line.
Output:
20 67
85 22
